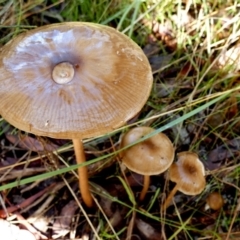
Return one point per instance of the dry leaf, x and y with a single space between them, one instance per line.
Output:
219 154
230 57
62 225
30 143
13 232
158 62
147 231
182 19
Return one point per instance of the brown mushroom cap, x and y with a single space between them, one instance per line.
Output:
215 200
149 157
111 81
188 172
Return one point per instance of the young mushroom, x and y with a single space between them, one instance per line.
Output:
74 81
188 174
149 157
214 201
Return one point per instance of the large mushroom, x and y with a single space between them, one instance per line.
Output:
74 81
189 175
149 157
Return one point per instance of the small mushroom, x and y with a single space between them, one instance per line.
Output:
188 174
74 81
149 157
214 201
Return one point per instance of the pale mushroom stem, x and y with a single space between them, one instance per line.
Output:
82 172
169 198
146 183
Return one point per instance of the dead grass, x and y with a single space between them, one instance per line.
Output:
193 48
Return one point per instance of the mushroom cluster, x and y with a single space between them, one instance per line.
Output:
74 81
155 155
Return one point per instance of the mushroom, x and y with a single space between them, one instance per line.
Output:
74 81
214 201
188 174
149 157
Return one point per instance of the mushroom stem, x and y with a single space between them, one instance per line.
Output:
146 183
169 198
82 172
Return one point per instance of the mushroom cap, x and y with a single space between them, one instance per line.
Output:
111 82
215 201
149 157
188 173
